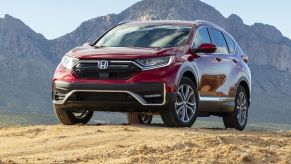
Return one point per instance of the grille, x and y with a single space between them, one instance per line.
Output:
90 70
102 97
109 97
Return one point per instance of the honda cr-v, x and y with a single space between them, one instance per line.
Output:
177 69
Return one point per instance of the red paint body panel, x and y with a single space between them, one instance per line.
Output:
166 75
122 53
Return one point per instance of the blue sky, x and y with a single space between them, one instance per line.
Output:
54 18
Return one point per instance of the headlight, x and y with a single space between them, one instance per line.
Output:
68 62
158 62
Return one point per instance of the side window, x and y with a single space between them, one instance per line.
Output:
202 36
230 43
218 39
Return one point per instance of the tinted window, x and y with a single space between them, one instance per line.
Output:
230 43
202 36
141 35
219 41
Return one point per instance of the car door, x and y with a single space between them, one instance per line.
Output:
231 64
211 66
227 64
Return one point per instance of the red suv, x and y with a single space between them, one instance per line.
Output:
177 69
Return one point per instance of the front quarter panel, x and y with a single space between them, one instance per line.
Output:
187 66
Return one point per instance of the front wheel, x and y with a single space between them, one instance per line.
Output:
238 118
72 117
183 112
139 118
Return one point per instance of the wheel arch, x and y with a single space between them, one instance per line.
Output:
190 75
189 71
244 83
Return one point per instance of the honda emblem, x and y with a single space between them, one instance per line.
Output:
103 64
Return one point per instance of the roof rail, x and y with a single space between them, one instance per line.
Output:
208 23
124 22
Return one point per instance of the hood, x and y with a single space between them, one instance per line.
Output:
88 52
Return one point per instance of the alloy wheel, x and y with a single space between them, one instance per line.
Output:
186 103
80 114
146 119
242 107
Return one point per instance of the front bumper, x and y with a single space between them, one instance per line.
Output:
147 96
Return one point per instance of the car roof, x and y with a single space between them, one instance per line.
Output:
174 22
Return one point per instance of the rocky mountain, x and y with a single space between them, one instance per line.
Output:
25 68
33 58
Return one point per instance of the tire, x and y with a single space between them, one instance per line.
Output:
180 113
70 117
238 118
139 118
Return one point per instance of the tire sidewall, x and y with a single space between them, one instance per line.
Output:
149 121
84 120
238 125
173 108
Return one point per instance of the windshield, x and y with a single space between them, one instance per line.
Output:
147 36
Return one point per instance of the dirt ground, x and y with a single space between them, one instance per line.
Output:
140 144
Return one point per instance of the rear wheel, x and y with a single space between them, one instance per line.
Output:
139 118
183 112
238 118
72 117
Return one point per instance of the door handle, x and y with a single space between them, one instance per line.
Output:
218 59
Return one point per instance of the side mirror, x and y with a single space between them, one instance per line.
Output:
205 48
245 58
87 44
